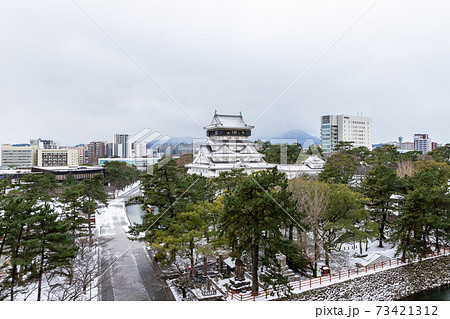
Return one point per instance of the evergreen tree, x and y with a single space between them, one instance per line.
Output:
281 153
345 220
361 152
39 187
343 147
339 168
425 209
441 154
4 184
51 242
72 208
170 190
15 226
182 236
386 155
120 174
409 156
379 186
254 215
228 181
69 180
93 192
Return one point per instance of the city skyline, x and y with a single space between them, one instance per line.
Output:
63 78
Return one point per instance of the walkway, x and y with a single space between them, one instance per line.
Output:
133 275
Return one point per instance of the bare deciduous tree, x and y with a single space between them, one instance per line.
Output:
313 198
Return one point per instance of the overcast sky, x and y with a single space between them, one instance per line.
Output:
63 78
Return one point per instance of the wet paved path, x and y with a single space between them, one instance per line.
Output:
133 274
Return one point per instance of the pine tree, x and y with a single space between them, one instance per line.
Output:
69 180
40 187
254 215
93 192
72 208
386 155
120 174
170 190
16 241
346 220
339 168
52 243
424 210
379 186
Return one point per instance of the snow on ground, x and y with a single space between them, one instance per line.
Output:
373 253
82 287
127 189
109 217
392 284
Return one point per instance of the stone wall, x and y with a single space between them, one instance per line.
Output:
392 284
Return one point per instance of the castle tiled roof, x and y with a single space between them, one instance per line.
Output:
228 121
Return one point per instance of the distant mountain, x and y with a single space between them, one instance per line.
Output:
301 137
378 145
166 140
23 144
180 140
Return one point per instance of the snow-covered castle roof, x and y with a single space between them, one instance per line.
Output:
224 121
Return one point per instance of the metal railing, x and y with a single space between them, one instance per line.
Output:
319 281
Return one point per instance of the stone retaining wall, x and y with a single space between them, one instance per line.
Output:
392 284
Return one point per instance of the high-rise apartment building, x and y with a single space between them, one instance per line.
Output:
345 128
422 143
18 156
81 154
96 150
44 144
139 149
122 147
110 149
58 157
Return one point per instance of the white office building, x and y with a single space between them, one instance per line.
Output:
422 143
345 128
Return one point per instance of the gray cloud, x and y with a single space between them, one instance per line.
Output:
61 77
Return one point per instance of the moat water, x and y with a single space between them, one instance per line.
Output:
435 294
135 213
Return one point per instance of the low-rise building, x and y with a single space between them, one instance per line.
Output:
79 173
57 157
18 156
141 163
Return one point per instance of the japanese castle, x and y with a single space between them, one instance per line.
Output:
227 147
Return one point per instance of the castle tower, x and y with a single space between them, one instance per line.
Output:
227 147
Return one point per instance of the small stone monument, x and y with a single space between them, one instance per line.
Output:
281 260
239 283
205 266
285 271
221 264
239 269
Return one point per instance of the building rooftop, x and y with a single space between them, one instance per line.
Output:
68 168
228 121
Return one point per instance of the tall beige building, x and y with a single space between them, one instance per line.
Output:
57 157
